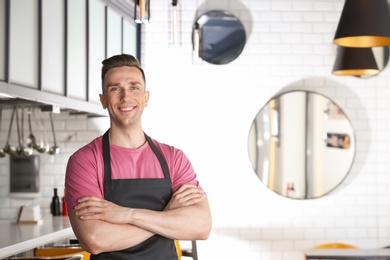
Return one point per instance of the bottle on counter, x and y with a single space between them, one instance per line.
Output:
64 207
288 188
55 204
291 193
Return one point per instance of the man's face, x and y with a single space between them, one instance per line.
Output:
124 96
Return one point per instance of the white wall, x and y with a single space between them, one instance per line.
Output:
207 110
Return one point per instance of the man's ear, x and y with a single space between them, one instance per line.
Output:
147 95
103 101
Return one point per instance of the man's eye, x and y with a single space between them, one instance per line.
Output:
114 89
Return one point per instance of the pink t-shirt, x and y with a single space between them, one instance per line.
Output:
85 169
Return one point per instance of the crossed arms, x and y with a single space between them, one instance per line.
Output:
102 226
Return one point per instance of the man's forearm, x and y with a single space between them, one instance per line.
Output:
97 236
185 223
101 224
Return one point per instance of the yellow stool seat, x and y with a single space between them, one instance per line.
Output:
334 246
56 251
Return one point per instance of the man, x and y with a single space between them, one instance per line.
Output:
128 195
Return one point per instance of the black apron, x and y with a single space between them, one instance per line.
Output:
153 194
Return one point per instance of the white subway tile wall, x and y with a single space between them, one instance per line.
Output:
207 110
71 132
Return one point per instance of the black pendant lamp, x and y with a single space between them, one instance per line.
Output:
364 23
141 11
175 23
355 62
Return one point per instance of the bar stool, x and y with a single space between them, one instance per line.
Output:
57 257
61 250
187 252
334 245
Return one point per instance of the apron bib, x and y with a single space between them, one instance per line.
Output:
153 194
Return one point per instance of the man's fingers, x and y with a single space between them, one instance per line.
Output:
186 187
189 192
188 198
88 198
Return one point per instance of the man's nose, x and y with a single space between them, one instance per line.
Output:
126 93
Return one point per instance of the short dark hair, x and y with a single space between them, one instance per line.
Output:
120 61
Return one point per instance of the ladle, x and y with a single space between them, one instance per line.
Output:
54 149
2 153
19 148
24 151
7 148
42 146
31 140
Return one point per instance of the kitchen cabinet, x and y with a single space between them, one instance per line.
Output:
114 26
53 42
2 43
76 52
52 50
76 58
23 48
97 50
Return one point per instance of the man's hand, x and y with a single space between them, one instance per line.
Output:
186 195
95 208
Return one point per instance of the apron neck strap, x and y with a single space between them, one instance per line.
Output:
107 159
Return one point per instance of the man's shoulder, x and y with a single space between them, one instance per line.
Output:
93 147
164 146
170 152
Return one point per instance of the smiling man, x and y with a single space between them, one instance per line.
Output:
130 196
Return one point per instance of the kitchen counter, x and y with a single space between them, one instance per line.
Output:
348 253
17 238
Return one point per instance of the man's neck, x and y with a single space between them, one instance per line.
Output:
128 138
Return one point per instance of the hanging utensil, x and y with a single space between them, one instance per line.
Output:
25 151
43 145
7 148
2 153
31 140
19 148
54 149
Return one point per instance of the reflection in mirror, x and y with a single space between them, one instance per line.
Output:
342 141
301 145
218 37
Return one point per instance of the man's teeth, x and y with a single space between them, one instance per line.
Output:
127 108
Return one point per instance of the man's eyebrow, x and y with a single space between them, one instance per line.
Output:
135 83
112 84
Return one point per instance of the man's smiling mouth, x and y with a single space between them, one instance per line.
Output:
126 109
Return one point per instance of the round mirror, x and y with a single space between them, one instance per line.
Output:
294 142
218 37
